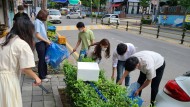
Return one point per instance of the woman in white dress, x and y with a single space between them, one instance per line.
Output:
15 57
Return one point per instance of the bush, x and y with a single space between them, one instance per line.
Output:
84 95
187 26
146 21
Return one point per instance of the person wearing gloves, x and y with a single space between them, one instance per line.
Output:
85 36
120 55
151 66
42 42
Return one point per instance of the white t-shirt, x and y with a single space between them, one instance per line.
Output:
149 62
130 51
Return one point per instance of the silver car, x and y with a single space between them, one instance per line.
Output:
73 15
176 93
110 19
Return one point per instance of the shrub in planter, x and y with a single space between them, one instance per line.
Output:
187 26
146 21
84 95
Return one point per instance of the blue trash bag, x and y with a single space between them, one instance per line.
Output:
131 90
55 54
51 28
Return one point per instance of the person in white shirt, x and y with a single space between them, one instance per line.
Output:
151 66
120 55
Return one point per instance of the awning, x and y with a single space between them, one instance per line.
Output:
116 5
133 0
74 2
60 1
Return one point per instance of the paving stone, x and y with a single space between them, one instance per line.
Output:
48 94
36 88
49 104
55 83
26 88
55 92
27 93
61 87
62 83
38 104
26 98
27 84
49 98
59 104
37 98
61 78
46 83
27 104
37 93
54 79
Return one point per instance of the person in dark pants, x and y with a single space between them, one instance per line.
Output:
151 66
42 42
20 13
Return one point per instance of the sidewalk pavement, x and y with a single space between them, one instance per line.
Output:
34 96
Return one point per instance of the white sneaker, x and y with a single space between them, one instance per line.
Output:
48 76
45 80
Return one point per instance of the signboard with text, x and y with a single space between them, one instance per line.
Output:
187 18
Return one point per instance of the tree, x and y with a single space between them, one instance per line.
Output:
186 5
144 4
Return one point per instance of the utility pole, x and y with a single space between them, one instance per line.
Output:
91 11
44 4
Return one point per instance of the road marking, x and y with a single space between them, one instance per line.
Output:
73 27
76 55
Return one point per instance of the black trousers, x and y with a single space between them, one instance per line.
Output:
155 82
42 66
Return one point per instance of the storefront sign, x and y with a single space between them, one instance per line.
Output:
187 19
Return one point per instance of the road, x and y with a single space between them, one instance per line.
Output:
177 56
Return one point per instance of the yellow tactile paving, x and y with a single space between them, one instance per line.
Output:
59 28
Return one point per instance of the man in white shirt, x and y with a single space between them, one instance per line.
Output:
151 66
120 55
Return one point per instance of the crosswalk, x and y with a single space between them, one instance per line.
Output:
73 27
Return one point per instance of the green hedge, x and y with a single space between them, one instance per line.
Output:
83 95
146 21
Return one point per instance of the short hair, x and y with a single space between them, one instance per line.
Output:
20 7
42 15
121 48
80 25
131 63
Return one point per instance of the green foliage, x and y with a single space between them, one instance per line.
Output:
144 3
52 4
83 95
184 3
146 21
49 23
187 26
87 59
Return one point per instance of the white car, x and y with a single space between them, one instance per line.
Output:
54 16
176 93
73 15
110 19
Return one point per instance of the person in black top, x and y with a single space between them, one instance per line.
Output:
20 14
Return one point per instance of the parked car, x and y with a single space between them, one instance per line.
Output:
176 93
54 16
110 19
73 15
64 11
83 15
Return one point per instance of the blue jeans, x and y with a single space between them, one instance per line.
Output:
120 70
82 54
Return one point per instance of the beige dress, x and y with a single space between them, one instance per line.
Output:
15 56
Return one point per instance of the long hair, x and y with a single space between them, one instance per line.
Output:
24 29
98 49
